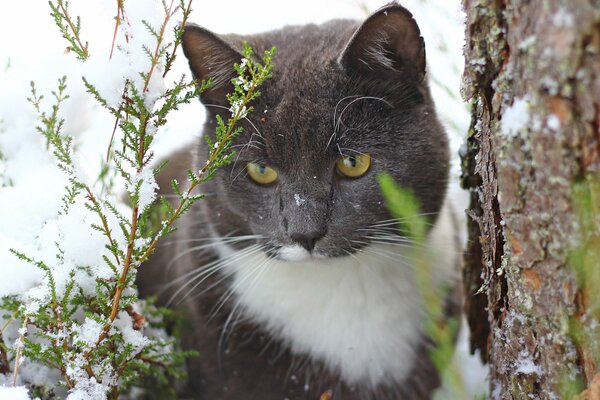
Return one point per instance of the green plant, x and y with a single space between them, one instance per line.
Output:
84 319
441 329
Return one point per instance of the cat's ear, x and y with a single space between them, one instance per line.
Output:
210 57
388 41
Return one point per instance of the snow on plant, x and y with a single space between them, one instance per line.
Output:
82 324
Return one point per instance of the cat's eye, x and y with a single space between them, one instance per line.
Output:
261 173
354 166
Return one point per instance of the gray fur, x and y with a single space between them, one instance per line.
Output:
337 89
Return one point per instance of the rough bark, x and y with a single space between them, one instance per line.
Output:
533 167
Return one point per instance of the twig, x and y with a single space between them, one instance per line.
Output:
21 343
171 57
4 364
83 48
94 201
213 157
157 49
120 14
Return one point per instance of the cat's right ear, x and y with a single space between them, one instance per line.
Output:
210 57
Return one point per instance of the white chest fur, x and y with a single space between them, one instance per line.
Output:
360 315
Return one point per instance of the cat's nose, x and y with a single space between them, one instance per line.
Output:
307 240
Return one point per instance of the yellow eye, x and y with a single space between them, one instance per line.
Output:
354 166
260 173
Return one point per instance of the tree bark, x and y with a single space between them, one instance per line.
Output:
533 167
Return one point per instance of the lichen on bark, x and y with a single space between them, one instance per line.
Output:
525 174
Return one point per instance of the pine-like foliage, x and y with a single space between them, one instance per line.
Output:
86 322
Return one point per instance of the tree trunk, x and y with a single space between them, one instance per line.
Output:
533 167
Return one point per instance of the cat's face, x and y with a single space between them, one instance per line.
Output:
341 108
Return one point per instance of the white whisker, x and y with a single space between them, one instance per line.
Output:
230 328
205 271
339 120
230 292
334 118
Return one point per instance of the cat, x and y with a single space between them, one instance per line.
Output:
295 280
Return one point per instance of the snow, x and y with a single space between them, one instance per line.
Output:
527 42
135 338
553 122
148 187
562 18
88 389
88 332
31 186
527 366
14 393
299 200
515 117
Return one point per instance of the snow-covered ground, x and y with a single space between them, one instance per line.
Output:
32 48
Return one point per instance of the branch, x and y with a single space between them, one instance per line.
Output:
157 49
179 34
120 14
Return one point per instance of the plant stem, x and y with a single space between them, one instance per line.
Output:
157 49
120 14
171 57
94 201
19 351
213 157
75 32
4 364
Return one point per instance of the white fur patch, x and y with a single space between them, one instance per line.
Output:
360 315
293 253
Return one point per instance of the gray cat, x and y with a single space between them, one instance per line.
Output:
293 274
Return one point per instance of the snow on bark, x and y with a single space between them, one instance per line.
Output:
535 139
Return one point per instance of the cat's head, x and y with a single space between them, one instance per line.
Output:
347 101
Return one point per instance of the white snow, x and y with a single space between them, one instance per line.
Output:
299 200
88 332
553 122
14 393
130 335
563 18
515 117
527 366
527 42
148 187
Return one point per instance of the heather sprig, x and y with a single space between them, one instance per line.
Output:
441 329
85 321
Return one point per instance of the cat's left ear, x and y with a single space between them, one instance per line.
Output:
388 41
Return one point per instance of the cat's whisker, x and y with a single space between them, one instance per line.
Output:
390 255
205 271
239 153
201 248
349 150
391 240
226 238
231 291
230 328
246 118
333 135
207 274
397 220
396 240
339 120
